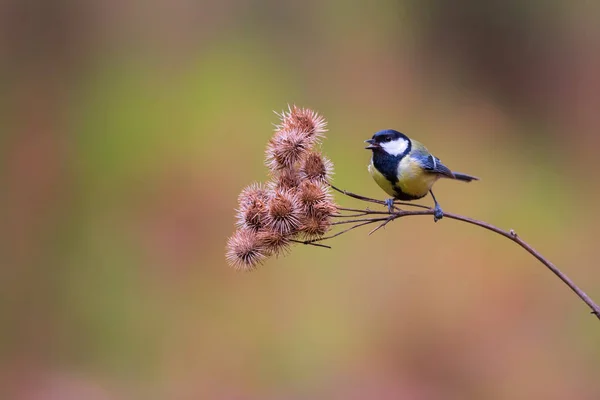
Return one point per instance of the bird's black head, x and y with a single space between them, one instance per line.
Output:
389 141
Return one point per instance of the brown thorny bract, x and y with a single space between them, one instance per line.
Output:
295 204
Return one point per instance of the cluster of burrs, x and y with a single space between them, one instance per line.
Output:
296 204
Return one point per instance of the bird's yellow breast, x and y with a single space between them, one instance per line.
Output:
413 179
381 180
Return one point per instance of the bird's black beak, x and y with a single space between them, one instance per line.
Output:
372 144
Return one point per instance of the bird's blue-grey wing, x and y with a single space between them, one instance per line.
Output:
432 164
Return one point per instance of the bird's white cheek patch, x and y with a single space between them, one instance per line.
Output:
395 147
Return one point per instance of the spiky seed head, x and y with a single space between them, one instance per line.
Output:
323 208
315 225
316 167
252 207
253 192
311 193
287 179
275 242
245 250
252 216
283 212
318 209
285 149
305 120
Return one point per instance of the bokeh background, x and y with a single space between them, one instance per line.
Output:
127 129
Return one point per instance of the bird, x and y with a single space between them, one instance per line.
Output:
406 170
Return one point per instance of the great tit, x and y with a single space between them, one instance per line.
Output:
406 170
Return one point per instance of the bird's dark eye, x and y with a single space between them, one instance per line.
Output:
388 139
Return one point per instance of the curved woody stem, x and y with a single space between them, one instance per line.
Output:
383 218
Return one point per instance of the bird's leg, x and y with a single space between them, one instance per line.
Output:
437 210
390 205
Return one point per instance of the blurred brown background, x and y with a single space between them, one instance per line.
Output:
127 129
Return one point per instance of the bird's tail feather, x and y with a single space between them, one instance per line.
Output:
464 177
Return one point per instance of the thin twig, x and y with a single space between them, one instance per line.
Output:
371 200
357 210
352 221
340 233
348 215
365 211
511 235
310 243
357 196
403 203
515 238
382 225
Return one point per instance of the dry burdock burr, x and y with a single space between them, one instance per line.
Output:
295 204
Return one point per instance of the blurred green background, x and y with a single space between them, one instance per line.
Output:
127 129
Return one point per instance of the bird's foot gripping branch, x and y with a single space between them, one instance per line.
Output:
296 205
